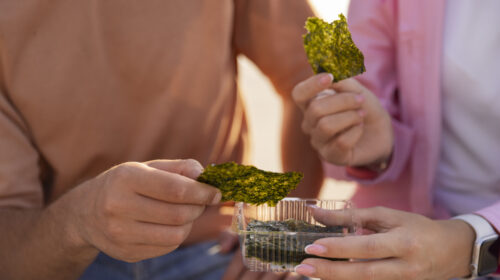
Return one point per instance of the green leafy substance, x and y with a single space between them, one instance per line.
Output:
267 242
246 183
329 48
290 225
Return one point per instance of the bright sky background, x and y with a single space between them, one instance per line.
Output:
329 9
264 109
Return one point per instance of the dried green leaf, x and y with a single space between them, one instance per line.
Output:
246 183
329 48
267 242
290 225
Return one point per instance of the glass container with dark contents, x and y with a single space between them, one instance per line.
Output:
274 238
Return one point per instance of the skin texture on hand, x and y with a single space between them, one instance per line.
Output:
403 246
214 221
136 211
131 212
346 122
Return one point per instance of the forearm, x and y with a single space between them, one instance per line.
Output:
297 153
40 244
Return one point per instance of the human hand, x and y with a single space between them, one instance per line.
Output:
404 246
346 122
136 211
212 224
228 241
238 271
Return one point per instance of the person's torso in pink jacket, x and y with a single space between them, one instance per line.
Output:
402 44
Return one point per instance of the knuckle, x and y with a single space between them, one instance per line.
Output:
114 232
332 153
180 193
342 143
323 126
122 172
325 153
329 154
315 110
411 246
180 218
351 101
298 92
178 235
355 117
110 206
379 210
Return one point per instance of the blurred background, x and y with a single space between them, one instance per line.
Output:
264 110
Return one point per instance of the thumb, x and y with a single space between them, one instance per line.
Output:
348 85
187 167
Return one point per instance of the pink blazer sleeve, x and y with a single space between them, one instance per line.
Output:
374 29
374 26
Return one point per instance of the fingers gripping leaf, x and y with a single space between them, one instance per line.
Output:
249 184
329 48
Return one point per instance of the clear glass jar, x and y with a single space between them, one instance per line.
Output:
274 238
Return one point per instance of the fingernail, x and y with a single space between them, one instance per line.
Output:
305 269
197 171
217 198
360 98
315 249
326 79
362 113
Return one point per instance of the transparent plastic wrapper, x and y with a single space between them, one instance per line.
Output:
274 238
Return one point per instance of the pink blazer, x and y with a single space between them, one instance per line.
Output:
402 42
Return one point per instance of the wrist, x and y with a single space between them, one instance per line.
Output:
461 238
485 249
385 148
369 171
67 212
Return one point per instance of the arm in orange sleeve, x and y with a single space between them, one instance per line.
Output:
36 243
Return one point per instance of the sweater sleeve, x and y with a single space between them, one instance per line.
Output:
373 25
20 185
